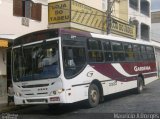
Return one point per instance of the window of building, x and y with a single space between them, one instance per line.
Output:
133 4
27 8
145 7
145 32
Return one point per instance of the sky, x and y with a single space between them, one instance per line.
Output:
155 5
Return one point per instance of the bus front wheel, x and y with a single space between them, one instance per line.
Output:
93 96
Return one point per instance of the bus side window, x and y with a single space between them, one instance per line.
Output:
68 53
74 60
129 55
107 51
136 50
150 53
143 52
95 53
118 52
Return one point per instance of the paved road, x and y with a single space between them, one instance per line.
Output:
126 102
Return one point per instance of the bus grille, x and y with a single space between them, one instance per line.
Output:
34 86
37 100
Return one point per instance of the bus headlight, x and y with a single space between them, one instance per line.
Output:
18 94
60 90
57 91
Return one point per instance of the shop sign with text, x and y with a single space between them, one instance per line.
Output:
3 43
75 12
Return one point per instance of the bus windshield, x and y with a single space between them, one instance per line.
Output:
35 62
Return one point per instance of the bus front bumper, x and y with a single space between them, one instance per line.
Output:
38 100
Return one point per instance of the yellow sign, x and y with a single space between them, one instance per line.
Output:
3 43
59 12
87 16
75 12
122 28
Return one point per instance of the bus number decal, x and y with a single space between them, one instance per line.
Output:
113 83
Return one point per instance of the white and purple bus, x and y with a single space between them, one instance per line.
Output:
59 66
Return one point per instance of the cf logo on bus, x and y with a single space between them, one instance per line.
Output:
90 74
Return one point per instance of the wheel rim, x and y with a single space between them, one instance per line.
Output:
93 96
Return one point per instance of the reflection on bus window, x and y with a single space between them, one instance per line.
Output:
36 62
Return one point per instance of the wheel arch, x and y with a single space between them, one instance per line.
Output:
98 83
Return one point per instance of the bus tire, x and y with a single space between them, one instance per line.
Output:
140 85
93 96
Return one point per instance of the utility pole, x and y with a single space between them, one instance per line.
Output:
109 12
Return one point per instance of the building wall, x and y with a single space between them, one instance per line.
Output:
141 18
155 35
120 9
12 25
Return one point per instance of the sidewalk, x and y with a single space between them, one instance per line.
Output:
3 105
11 107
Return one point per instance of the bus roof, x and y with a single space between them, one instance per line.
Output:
53 33
123 39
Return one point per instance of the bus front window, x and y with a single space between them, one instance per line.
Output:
35 62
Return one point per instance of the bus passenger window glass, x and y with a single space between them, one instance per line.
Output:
143 48
108 56
95 56
94 44
136 48
117 46
74 60
151 57
149 49
129 56
150 53
118 56
127 47
143 52
107 46
137 56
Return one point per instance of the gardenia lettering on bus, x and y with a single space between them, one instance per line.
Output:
144 68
